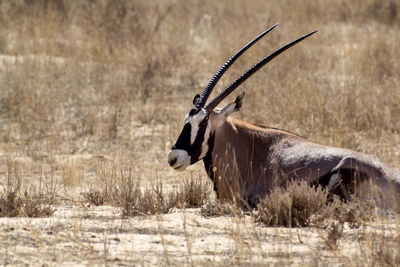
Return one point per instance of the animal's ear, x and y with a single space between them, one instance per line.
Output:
233 107
195 99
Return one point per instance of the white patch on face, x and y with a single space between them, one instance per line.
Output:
194 121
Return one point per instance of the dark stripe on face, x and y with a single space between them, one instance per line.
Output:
183 142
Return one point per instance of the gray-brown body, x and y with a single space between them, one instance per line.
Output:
246 161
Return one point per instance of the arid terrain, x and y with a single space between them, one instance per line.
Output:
93 95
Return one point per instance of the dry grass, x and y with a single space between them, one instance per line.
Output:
300 204
25 205
19 200
128 194
292 206
93 94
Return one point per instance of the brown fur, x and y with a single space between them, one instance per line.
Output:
248 160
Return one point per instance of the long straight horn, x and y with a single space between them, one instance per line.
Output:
207 91
251 71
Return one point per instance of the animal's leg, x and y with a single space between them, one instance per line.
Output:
342 182
334 180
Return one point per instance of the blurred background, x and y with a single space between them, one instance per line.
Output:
96 79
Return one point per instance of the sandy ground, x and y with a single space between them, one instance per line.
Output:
81 236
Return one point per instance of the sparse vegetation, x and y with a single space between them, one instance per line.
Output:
15 205
292 206
125 193
16 201
300 204
92 93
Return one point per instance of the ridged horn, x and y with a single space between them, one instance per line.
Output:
207 91
221 96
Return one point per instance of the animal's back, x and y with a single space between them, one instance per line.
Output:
250 160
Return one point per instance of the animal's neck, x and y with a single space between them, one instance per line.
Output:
237 157
233 140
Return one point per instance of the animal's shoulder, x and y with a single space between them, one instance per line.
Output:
254 127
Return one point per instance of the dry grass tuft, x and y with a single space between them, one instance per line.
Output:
300 204
15 204
150 201
135 200
18 198
192 194
292 206
355 212
94 197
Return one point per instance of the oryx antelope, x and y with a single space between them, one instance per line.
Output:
245 160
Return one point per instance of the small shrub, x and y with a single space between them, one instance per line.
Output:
292 206
134 200
147 202
13 204
355 212
19 200
94 196
194 193
303 205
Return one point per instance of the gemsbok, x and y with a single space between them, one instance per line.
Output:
245 160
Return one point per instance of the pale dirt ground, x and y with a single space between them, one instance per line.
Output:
78 234
81 236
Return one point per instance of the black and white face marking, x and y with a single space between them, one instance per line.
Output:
192 143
